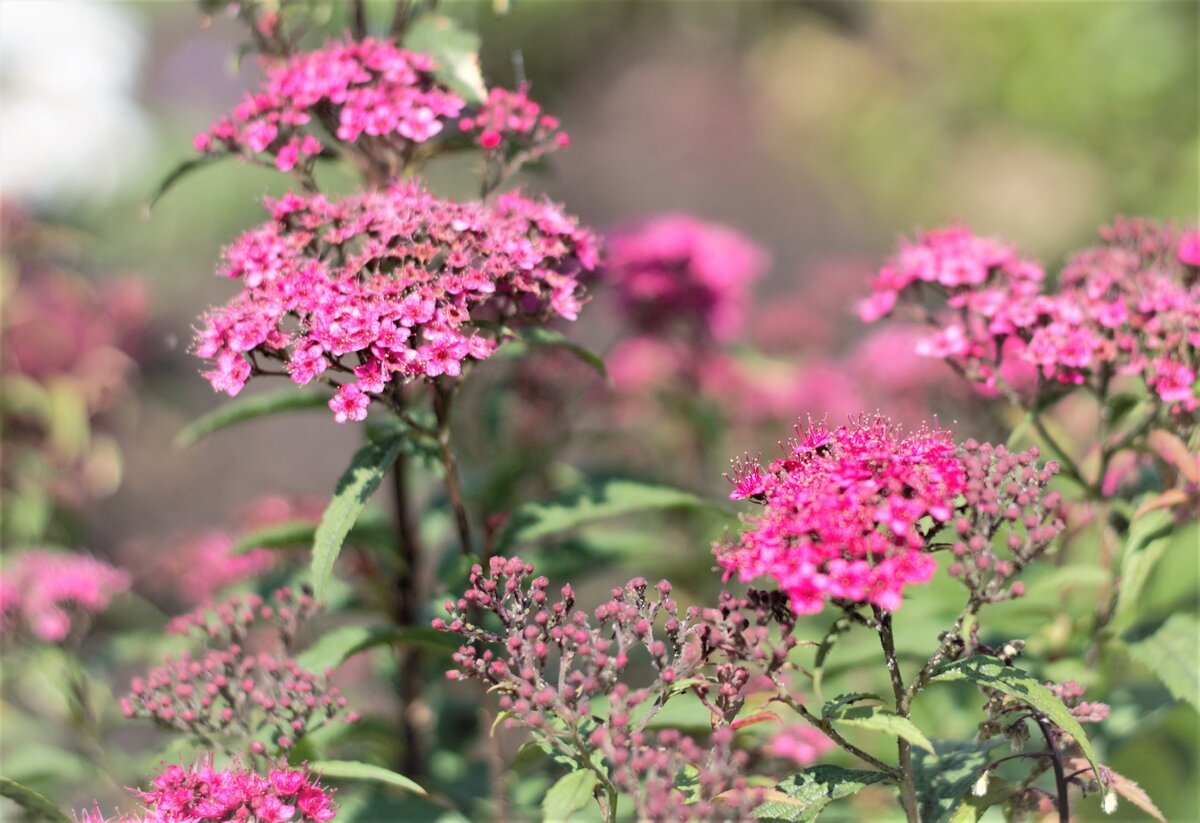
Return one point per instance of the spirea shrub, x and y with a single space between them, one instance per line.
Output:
881 616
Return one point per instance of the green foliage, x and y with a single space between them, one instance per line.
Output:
588 504
801 797
368 468
1149 538
990 672
1173 654
36 804
879 719
455 54
249 407
354 770
569 794
182 170
944 776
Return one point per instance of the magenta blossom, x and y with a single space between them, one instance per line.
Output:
41 589
389 285
1130 306
846 513
231 795
366 90
675 270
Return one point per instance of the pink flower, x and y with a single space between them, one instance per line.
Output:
388 285
799 743
675 270
41 590
1189 248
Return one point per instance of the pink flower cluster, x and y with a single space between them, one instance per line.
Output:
847 513
676 272
41 590
388 283
230 691
356 88
232 795
1130 306
509 121
799 743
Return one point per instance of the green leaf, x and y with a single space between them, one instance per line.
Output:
972 808
801 797
830 710
990 672
588 504
31 801
839 627
1149 537
569 794
526 338
178 173
368 468
250 407
354 770
455 54
1173 654
287 535
944 777
337 645
879 719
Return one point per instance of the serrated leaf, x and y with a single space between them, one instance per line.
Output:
569 794
366 772
801 797
944 777
368 468
581 506
1126 788
879 719
32 801
455 54
178 173
988 671
250 407
337 645
528 337
1173 654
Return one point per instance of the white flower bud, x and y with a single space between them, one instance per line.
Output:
981 785
1109 804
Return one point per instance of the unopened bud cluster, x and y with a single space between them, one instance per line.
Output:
1007 506
551 662
231 691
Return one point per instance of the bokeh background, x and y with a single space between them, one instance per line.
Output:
823 131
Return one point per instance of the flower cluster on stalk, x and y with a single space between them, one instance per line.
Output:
1128 306
555 665
389 286
851 515
230 795
264 698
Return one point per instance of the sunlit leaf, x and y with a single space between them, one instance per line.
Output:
368 468
569 794
879 719
943 778
801 797
250 407
354 770
455 54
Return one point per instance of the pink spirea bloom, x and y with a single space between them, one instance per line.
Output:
202 792
799 743
1129 306
675 270
40 589
388 285
844 511
366 87
509 121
